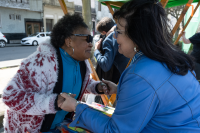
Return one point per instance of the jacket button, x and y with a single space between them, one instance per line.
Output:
77 122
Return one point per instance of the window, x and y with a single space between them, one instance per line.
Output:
48 34
18 17
99 6
12 16
49 25
19 1
93 25
0 20
42 35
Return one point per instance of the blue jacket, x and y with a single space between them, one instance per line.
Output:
111 55
150 99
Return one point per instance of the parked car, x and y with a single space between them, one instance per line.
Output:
35 39
3 40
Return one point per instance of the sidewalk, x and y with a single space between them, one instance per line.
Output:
10 63
6 75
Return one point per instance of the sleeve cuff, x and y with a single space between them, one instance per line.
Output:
79 110
56 105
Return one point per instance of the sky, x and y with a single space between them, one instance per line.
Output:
79 2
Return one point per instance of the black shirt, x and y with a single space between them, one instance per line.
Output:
195 40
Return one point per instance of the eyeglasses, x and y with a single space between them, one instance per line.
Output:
117 32
89 37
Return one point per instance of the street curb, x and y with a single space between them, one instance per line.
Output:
10 63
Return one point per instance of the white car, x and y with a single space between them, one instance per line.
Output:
3 40
35 39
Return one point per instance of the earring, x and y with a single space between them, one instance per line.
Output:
135 49
72 50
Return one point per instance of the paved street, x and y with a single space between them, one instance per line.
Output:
15 51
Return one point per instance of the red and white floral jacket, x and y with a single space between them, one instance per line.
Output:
29 95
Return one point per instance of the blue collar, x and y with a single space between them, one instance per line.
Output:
137 55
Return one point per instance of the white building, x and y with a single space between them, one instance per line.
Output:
19 18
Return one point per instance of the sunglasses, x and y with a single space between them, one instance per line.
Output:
117 32
89 37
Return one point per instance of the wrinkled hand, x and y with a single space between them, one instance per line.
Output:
108 87
111 30
60 100
70 102
102 87
98 44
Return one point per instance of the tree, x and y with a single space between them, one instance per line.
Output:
175 12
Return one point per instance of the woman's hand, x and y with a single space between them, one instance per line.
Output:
60 100
107 87
183 34
70 102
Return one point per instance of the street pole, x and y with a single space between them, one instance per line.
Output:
86 13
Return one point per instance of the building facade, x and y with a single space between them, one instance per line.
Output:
53 12
20 18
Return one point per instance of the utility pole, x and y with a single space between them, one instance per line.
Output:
86 12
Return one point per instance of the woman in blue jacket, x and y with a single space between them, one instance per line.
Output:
158 92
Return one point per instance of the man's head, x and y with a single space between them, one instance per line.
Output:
104 25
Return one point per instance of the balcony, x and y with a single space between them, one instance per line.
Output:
56 3
24 4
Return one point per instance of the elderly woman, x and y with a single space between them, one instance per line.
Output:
58 65
158 92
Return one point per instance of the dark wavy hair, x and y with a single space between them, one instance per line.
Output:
147 26
65 27
105 24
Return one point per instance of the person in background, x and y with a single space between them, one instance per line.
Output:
110 63
195 40
103 26
106 50
59 65
158 92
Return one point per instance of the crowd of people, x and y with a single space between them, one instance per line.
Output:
157 93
